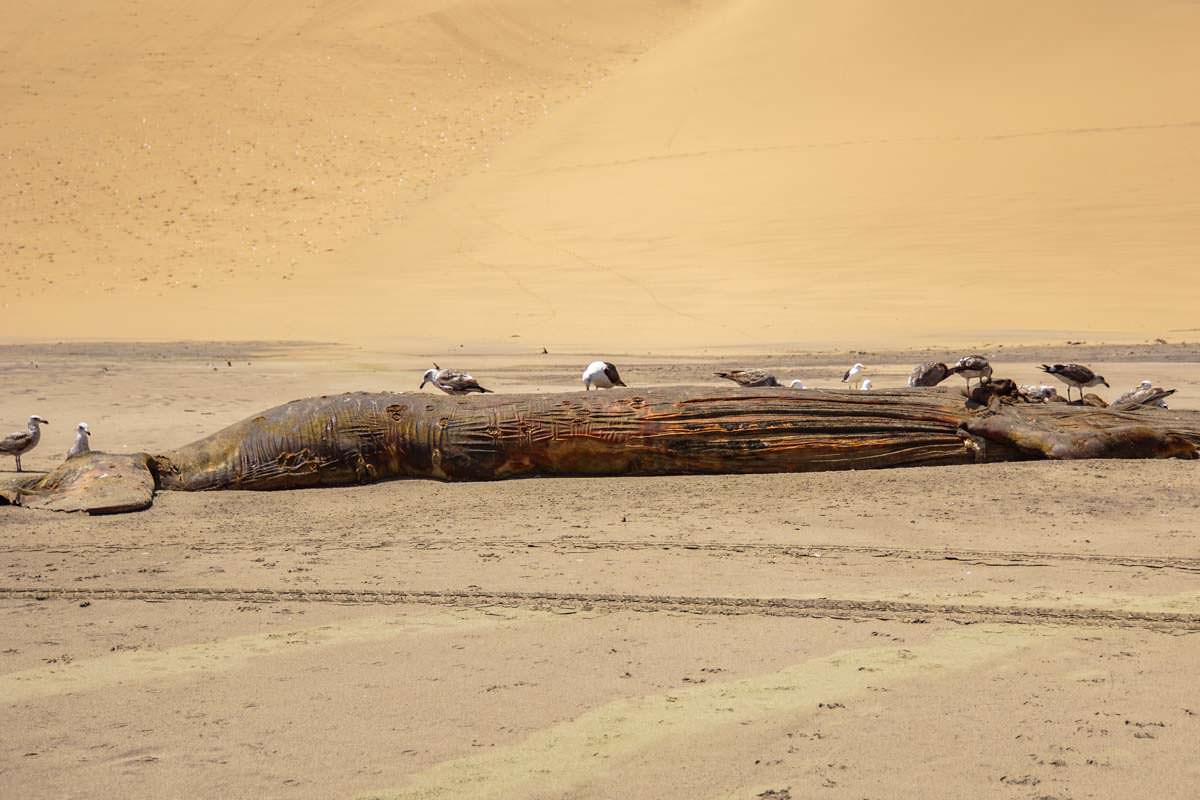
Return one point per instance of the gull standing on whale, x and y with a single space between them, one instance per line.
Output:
1143 395
973 367
601 375
19 443
852 374
81 446
1075 375
749 377
931 373
451 381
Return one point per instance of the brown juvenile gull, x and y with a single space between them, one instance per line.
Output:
451 381
1075 375
972 367
1145 394
931 373
81 446
601 375
21 442
749 377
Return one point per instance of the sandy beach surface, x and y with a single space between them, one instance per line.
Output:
210 209
1014 630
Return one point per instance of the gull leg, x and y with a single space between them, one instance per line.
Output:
18 463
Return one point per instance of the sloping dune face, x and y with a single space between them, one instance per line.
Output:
735 172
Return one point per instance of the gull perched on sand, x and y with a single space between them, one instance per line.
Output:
796 384
852 374
866 385
1075 375
81 446
931 373
451 381
19 443
601 375
972 367
749 377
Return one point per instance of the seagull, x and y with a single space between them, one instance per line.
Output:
1144 395
451 381
852 374
19 443
796 384
866 385
931 373
81 446
749 377
972 367
601 375
1075 375
1039 392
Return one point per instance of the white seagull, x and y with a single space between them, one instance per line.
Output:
601 375
81 446
852 374
866 385
19 443
796 384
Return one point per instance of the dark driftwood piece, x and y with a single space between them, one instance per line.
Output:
362 438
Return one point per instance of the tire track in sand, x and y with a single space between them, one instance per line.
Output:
571 602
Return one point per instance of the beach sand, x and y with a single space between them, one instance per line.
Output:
213 209
1006 630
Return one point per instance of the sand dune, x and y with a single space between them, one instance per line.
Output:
727 173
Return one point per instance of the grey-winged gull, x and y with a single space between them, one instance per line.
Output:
19 443
972 367
1074 375
749 377
931 373
451 381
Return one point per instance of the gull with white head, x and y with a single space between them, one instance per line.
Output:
81 446
19 443
852 375
973 367
1074 375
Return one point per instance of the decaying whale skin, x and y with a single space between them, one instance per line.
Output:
360 438
350 439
